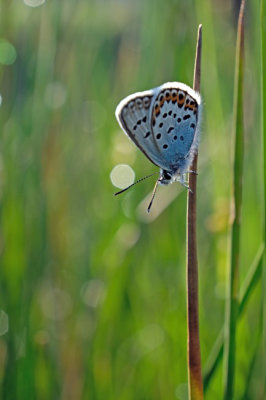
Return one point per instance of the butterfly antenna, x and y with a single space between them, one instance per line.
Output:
139 180
153 195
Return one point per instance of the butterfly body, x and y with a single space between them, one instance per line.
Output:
164 123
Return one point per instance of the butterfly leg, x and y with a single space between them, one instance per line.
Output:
192 172
183 183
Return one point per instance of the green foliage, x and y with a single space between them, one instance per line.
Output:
233 286
94 291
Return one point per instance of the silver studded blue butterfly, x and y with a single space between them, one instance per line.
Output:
164 123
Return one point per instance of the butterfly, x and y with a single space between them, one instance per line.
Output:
164 124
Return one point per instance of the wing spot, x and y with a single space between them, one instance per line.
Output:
139 103
146 102
161 97
157 109
170 112
192 126
165 146
158 136
174 115
182 138
144 119
164 115
168 96
170 129
174 93
139 122
187 116
180 96
147 134
160 124
135 127
178 119
175 137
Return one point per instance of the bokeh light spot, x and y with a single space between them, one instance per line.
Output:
56 304
8 53
34 3
55 95
3 323
93 292
122 175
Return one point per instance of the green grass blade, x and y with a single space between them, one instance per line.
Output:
256 345
251 280
232 303
249 285
263 94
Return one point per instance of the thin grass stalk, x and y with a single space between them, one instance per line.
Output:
263 99
232 302
256 343
249 285
195 385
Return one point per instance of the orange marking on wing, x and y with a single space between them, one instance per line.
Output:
157 110
191 107
181 102
162 102
173 98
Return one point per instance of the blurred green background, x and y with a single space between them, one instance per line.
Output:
93 292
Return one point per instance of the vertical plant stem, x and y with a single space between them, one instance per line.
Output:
194 360
232 302
263 98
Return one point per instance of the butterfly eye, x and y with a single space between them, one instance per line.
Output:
167 176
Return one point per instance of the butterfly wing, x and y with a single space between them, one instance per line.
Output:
163 123
175 120
133 114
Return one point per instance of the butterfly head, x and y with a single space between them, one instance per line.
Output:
166 177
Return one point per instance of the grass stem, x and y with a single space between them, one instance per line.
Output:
263 111
194 359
